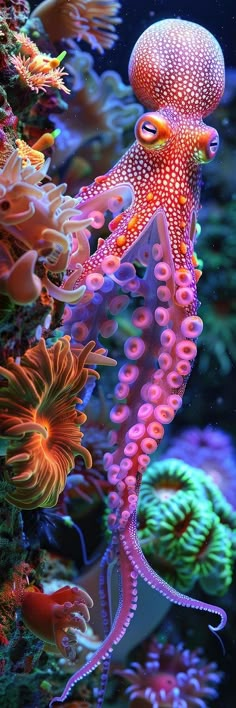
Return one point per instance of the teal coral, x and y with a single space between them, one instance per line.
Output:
186 527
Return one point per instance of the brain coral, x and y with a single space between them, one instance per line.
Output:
186 527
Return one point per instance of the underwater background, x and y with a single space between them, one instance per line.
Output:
118 487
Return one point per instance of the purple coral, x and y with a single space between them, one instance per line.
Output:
172 676
14 12
212 451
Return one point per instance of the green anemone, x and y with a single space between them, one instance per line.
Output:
214 562
186 528
221 506
185 523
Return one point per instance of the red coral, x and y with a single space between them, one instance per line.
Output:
50 616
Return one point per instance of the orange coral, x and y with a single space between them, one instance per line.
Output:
36 70
90 20
49 616
33 153
39 417
26 152
27 46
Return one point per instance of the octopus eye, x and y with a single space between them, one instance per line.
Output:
147 129
152 131
208 146
213 146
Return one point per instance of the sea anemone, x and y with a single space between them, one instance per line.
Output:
38 76
172 677
37 71
38 216
39 418
90 20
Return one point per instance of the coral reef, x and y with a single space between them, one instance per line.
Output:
38 252
111 272
14 12
8 124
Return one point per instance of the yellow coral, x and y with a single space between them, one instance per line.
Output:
36 70
33 153
28 153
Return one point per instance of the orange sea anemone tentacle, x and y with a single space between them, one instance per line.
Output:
93 21
40 421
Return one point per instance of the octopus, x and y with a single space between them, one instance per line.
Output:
176 70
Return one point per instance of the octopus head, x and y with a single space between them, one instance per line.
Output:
179 64
176 70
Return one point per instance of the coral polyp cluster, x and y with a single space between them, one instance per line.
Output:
40 422
186 527
15 12
212 450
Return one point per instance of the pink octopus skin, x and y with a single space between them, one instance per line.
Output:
177 70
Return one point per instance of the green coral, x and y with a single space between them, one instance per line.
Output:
186 527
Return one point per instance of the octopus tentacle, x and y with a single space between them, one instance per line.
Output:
142 567
124 614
